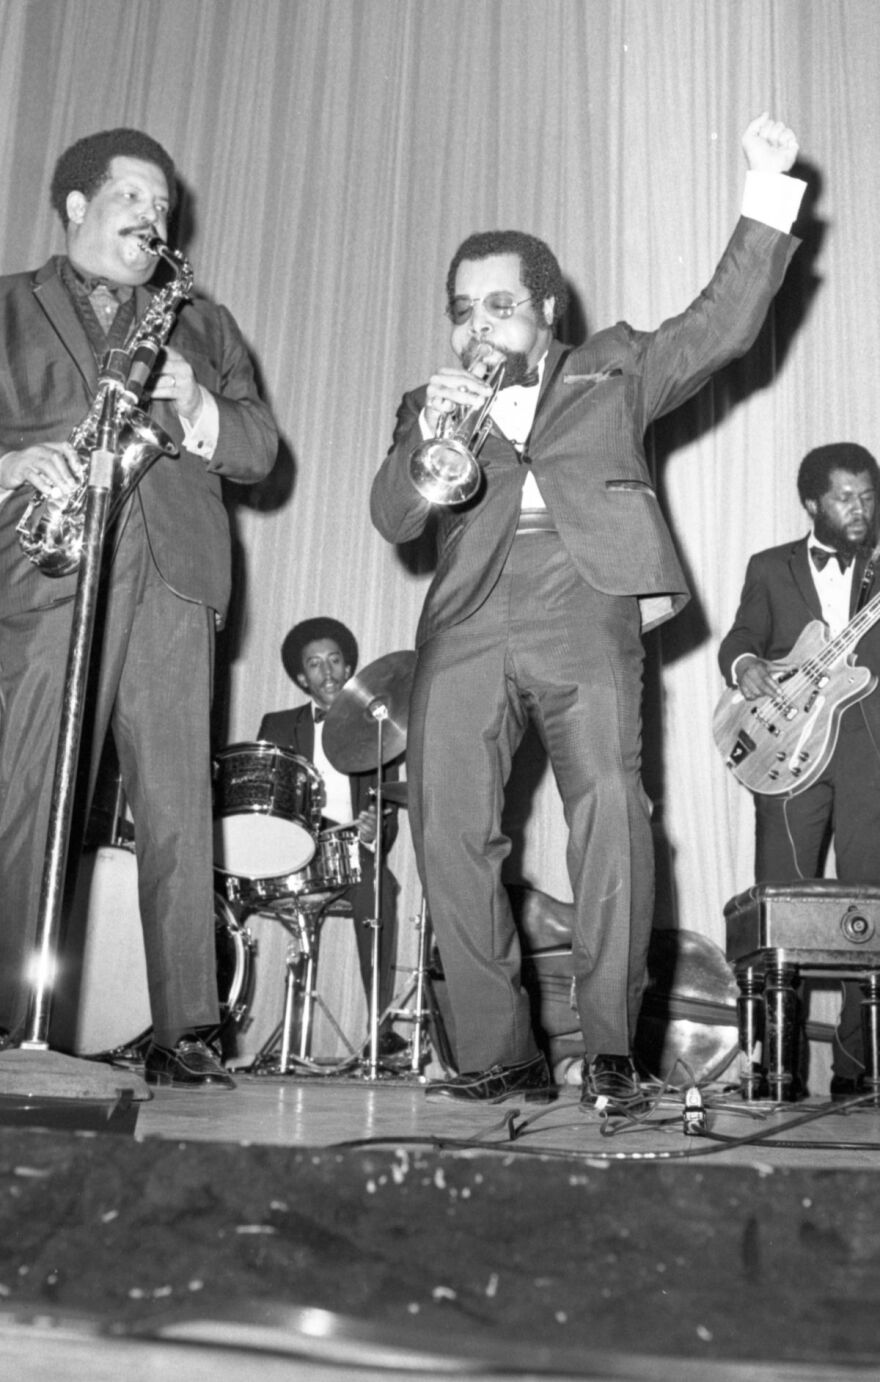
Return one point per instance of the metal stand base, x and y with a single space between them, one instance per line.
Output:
418 1005
287 1051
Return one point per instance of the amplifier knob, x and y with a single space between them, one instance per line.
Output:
856 927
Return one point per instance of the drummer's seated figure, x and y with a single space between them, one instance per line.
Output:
320 655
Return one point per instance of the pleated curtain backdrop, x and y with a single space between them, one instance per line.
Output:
336 151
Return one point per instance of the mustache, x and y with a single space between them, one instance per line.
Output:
142 232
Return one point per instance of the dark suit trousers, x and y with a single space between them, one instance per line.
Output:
791 837
544 646
154 687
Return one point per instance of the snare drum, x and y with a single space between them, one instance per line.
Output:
102 1002
335 866
267 810
337 862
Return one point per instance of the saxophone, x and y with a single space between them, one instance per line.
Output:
51 530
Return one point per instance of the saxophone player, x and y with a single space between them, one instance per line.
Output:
164 592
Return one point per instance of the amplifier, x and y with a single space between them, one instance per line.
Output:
814 923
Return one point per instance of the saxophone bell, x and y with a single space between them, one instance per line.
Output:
51 530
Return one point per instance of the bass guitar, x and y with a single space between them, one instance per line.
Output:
778 745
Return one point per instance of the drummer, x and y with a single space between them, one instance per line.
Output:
320 655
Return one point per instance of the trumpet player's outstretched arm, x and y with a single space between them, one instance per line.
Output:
769 145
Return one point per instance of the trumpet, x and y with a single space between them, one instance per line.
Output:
444 469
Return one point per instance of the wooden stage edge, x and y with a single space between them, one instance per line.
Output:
356 1228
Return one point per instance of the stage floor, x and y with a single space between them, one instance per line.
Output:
396 1110
321 1226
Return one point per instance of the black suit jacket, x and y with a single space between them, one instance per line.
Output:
778 600
48 379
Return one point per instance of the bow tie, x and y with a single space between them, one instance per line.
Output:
319 713
820 557
528 381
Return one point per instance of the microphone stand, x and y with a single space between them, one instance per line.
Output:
379 711
100 481
102 1081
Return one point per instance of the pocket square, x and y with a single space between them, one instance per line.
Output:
591 378
641 485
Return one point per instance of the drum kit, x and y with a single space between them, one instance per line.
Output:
272 858
276 859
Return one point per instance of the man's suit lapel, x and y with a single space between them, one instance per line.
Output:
305 731
556 355
53 299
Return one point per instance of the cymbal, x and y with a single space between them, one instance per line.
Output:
380 691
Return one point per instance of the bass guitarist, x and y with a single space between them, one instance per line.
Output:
826 575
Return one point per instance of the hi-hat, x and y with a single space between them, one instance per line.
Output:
380 691
395 792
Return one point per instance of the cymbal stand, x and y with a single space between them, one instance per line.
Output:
424 1012
379 711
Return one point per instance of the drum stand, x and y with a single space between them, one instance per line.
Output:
302 920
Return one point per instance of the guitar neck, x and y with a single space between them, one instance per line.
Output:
854 631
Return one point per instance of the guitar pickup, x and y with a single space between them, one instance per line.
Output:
741 749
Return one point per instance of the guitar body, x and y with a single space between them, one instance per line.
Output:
778 746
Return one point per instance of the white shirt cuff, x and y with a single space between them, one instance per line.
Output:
201 436
774 198
737 661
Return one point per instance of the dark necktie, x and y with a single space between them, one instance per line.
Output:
106 300
319 713
820 557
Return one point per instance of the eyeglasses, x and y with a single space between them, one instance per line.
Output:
497 305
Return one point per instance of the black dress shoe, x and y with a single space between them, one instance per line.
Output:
614 1079
530 1079
189 1064
846 1087
391 1044
391 1048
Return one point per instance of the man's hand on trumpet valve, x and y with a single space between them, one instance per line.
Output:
451 390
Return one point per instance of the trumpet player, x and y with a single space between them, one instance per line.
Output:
546 579
164 592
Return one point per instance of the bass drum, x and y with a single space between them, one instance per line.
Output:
102 1004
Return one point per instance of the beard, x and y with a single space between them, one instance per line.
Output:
516 364
833 536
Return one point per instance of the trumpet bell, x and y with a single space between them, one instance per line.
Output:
444 471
